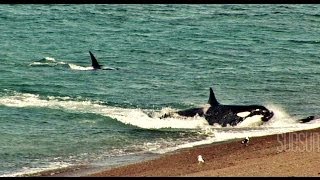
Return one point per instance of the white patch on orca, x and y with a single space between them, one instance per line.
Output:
205 108
80 68
251 121
243 114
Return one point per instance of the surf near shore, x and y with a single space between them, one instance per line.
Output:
288 154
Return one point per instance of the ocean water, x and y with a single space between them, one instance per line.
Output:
57 112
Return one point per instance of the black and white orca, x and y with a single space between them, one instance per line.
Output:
96 65
216 113
307 119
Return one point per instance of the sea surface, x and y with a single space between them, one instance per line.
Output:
55 111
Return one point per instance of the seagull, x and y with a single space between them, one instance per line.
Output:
200 159
245 141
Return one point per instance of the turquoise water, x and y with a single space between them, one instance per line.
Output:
54 112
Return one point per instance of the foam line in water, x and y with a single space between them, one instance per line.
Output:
46 61
27 170
221 135
135 117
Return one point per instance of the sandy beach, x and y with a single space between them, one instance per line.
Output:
289 154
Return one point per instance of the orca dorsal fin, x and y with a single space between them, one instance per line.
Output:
94 61
212 99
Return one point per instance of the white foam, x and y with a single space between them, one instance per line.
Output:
138 117
280 117
46 61
224 134
29 170
134 117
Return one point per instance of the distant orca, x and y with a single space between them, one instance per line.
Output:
307 119
230 114
226 114
96 65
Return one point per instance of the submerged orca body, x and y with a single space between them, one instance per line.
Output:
230 114
96 65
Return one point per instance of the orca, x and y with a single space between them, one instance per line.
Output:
216 113
96 65
307 119
223 115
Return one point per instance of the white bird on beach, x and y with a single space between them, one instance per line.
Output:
200 159
245 141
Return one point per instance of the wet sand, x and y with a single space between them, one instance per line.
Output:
289 154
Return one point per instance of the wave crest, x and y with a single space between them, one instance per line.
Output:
46 61
135 117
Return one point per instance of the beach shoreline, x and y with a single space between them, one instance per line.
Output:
288 154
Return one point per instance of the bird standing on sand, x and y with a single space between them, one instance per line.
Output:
200 159
245 141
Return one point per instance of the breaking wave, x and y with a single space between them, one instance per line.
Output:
143 118
46 61
149 119
135 117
